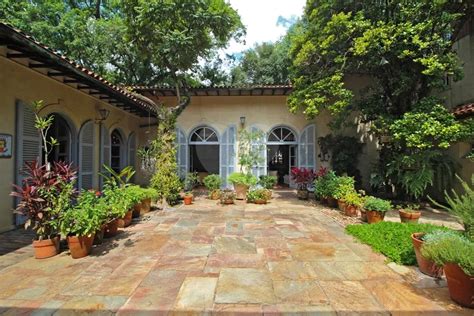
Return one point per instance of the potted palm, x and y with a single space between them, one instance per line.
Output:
227 197
213 184
302 177
242 182
376 208
455 253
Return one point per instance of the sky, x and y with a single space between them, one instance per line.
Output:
260 17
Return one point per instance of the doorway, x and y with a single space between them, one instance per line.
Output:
282 154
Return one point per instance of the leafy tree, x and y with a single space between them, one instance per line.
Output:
404 49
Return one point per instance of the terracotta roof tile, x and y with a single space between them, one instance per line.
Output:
464 110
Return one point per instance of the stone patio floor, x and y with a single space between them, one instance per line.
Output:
283 257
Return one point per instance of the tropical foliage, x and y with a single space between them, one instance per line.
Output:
402 50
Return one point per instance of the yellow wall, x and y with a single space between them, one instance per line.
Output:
18 82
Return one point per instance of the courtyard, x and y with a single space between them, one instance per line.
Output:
288 256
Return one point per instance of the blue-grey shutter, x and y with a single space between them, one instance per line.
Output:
181 152
307 158
27 144
227 154
105 151
86 155
261 168
132 149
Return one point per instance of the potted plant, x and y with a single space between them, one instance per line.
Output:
188 198
79 225
258 196
227 197
344 185
455 253
118 205
213 184
303 178
242 182
353 201
409 214
43 196
268 182
190 182
425 265
376 208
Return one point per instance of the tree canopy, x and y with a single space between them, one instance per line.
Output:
404 51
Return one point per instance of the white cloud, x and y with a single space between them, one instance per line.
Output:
260 18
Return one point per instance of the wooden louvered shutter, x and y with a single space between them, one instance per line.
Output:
307 146
227 154
132 149
28 143
86 155
105 151
181 152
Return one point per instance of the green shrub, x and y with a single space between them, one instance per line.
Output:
344 185
191 181
213 182
257 194
375 204
392 239
353 198
449 247
325 185
242 178
268 182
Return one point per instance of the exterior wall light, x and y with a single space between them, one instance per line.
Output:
103 114
242 121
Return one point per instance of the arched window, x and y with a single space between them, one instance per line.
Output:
281 135
204 156
60 131
116 156
204 135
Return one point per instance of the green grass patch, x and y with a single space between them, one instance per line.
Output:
392 239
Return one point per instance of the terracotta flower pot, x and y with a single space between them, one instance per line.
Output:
375 216
460 285
99 236
341 205
302 194
409 217
215 195
146 205
351 210
46 248
137 209
80 246
227 201
240 191
332 202
126 220
111 229
188 199
363 215
260 201
426 266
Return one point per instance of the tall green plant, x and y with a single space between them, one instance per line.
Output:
250 150
165 179
461 205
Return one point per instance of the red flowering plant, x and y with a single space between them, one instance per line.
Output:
45 193
322 171
303 177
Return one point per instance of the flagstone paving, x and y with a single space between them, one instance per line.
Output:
287 257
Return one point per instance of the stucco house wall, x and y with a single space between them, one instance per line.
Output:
20 83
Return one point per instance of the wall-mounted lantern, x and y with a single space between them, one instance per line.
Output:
242 121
